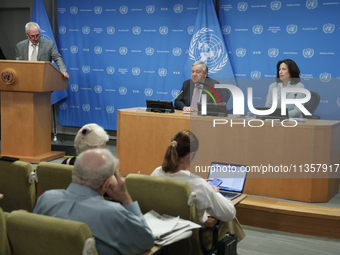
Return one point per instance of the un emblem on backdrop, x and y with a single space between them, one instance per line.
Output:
257 29
207 47
110 70
292 29
311 4
86 30
308 53
122 90
98 10
273 52
98 89
148 92
110 109
86 107
190 30
43 35
98 50
255 75
74 49
328 28
177 51
62 30
226 30
63 106
136 71
123 50
241 52
178 8
74 87
325 77
275 5
74 10
163 30
162 72
149 51
110 30
242 7
136 30
86 69
150 9
123 9
174 93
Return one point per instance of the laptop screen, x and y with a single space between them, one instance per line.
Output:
233 176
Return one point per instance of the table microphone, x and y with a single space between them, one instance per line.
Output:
177 95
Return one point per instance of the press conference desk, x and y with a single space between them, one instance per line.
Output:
143 137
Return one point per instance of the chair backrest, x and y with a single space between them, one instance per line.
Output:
53 176
31 233
4 244
166 196
313 103
14 185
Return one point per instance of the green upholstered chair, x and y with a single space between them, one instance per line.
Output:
5 248
53 176
18 192
166 196
36 234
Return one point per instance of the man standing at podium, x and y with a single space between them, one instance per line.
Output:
36 48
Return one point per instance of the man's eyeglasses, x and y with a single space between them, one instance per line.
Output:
34 36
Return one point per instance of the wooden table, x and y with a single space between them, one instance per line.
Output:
143 137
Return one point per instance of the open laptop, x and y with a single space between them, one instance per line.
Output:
275 115
231 178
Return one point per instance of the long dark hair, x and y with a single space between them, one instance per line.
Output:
293 70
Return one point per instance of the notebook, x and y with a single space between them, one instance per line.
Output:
233 178
275 115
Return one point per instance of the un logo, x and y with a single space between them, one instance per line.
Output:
174 93
328 28
136 30
110 70
73 10
110 109
178 8
206 46
226 30
86 69
242 7
86 30
150 9
338 102
136 71
98 89
63 106
255 75
325 77
74 87
308 53
163 30
311 4
98 50
149 51
257 29
292 29
123 9
98 10
241 52
123 50
74 49
275 5
62 30
162 72
148 92
273 52
122 90
110 30
43 35
177 51
190 30
86 107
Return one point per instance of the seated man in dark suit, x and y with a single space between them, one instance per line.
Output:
192 89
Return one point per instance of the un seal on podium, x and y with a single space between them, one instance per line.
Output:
8 76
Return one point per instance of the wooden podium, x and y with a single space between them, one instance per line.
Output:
26 88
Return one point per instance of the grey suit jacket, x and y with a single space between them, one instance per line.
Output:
47 51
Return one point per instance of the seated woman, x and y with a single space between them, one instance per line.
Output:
178 157
88 137
288 75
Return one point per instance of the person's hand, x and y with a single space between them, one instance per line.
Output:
217 189
65 75
186 109
117 188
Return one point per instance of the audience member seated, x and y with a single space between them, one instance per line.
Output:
118 229
88 137
178 157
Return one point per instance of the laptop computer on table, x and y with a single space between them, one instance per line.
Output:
230 178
